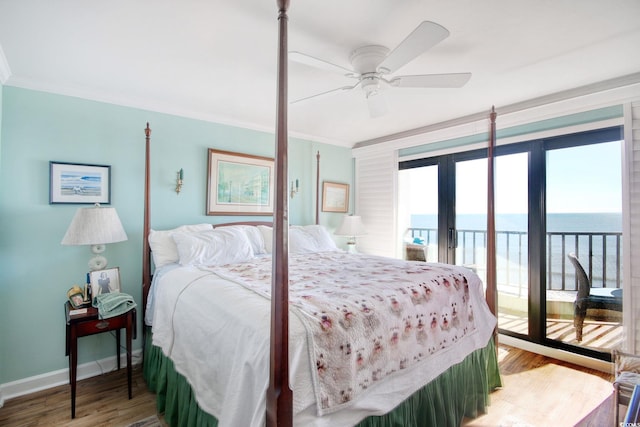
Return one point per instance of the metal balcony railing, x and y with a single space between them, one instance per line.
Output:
599 253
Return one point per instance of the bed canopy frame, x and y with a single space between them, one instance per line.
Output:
279 396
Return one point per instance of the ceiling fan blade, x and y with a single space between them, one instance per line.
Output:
432 80
303 58
338 89
377 105
424 37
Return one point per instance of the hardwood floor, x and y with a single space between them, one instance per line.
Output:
100 401
538 391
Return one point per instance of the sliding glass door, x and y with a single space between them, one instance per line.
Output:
584 245
553 197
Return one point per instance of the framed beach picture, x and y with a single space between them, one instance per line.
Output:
79 183
239 184
105 281
335 197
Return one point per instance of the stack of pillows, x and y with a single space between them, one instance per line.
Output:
201 244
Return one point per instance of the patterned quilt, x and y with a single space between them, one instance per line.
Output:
368 317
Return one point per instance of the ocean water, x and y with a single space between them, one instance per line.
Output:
560 222
512 241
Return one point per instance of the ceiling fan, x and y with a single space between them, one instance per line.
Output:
373 66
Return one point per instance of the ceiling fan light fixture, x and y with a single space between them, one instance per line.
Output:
370 84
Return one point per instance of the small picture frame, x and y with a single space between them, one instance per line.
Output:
335 197
78 183
76 297
104 281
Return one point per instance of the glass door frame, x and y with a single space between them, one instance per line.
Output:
537 227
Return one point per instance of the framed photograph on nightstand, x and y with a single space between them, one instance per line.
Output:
105 281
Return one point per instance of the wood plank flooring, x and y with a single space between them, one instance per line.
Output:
597 334
100 401
538 391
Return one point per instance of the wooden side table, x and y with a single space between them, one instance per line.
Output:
81 325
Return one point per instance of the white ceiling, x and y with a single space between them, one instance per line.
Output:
216 60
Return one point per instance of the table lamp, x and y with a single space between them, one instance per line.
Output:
95 226
352 227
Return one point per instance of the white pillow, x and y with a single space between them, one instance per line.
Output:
267 237
310 239
300 241
324 241
216 247
163 248
253 235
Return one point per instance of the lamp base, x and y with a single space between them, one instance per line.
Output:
98 262
351 248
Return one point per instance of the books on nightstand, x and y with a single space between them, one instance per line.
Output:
77 311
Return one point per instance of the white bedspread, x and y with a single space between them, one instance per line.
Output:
217 334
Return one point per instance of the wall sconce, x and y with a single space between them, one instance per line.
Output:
179 177
294 190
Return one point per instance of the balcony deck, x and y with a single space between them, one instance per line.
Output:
597 334
601 253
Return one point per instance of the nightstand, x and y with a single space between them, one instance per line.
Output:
82 325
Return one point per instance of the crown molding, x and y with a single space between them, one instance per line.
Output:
518 109
5 71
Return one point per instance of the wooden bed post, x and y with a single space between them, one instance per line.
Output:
279 395
492 293
146 264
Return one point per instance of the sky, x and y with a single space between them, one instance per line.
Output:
579 180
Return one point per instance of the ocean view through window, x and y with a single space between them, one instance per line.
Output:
554 197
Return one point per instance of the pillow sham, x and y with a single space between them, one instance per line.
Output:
302 239
267 237
163 247
253 235
216 247
323 240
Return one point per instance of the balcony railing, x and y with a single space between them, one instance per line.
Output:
599 253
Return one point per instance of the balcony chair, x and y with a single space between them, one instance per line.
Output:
588 297
627 377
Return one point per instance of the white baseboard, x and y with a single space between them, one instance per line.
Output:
565 356
47 380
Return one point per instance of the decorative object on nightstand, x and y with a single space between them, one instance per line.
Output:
351 227
77 297
95 226
88 322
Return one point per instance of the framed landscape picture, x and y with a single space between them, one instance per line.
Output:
79 183
239 184
335 197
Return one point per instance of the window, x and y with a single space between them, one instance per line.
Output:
553 197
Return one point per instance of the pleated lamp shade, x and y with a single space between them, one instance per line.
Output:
351 227
95 226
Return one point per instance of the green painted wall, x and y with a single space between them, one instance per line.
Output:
36 271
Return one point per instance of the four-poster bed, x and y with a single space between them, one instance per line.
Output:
422 352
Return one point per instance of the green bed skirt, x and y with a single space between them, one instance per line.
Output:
461 391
